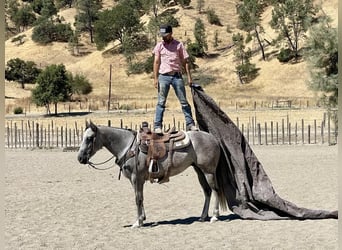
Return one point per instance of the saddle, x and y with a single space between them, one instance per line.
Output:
158 147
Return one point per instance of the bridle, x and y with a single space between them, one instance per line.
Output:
120 162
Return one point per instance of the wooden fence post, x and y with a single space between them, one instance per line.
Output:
282 131
272 132
315 132
41 135
259 134
15 135
248 132
49 135
302 131
266 133
329 141
12 133
37 135
277 133
322 132
22 134
62 141
57 143
253 131
8 137
296 133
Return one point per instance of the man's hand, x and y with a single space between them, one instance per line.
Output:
156 83
190 81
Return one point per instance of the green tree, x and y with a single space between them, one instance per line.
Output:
200 37
88 14
53 86
64 3
48 9
249 20
322 55
245 69
213 17
23 18
21 71
80 85
291 19
46 32
216 39
120 23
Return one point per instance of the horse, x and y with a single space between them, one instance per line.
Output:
202 153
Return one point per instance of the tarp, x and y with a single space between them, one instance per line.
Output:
247 188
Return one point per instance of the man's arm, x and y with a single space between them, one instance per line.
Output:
186 66
156 65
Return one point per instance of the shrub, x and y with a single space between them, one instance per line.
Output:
46 32
141 67
285 55
213 17
195 49
247 71
81 85
18 110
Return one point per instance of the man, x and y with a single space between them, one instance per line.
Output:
170 57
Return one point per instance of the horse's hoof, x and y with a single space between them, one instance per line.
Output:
136 225
203 219
213 219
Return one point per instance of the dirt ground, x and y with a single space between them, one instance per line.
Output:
53 202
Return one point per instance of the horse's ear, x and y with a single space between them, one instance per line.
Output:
93 126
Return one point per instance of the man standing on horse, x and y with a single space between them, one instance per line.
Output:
170 57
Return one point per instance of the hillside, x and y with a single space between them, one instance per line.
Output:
275 81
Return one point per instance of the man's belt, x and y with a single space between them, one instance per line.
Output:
172 73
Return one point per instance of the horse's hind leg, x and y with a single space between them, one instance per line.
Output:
207 192
211 179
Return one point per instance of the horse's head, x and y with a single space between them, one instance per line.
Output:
89 144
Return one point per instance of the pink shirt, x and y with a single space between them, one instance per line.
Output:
171 56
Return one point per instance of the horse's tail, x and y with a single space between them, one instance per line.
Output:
225 184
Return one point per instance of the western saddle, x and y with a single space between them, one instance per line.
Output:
158 147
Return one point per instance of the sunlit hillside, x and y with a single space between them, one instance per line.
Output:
275 80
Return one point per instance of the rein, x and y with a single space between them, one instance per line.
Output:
93 165
130 153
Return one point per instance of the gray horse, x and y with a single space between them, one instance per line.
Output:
203 153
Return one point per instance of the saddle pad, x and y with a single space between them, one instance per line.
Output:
182 143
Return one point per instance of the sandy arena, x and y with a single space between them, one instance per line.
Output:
53 202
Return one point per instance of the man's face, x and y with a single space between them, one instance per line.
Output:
167 38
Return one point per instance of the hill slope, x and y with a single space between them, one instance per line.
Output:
275 80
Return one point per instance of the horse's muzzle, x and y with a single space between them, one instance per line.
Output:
83 159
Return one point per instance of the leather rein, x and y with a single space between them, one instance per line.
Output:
128 154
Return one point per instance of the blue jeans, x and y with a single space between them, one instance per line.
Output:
163 90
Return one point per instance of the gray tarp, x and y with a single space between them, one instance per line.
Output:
247 188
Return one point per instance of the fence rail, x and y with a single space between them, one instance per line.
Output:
31 134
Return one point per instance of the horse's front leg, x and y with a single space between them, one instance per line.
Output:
139 200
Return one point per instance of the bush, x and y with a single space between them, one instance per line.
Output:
285 55
141 67
247 71
81 85
195 49
18 110
213 17
46 32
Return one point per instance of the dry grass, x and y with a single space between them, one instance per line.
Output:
275 81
